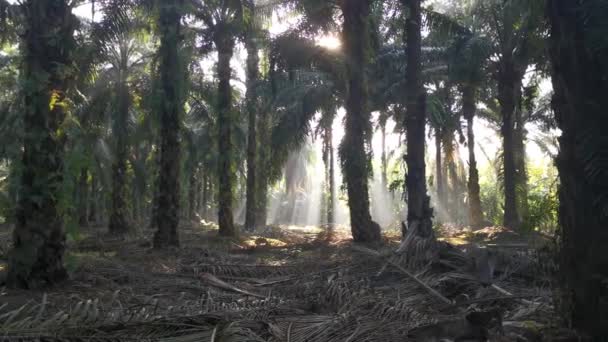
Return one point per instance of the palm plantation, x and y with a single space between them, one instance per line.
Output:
303 170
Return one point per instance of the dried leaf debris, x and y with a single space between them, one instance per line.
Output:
308 288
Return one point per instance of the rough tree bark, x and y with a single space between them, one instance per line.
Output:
521 180
476 218
262 177
383 157
83 198
119 210
225 49
36 259
439 169
330 181
171 81
205 197
509 83
252 108
580 104
420 214
355 159
193 189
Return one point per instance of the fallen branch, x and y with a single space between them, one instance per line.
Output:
487 299
507 293
214 281
406 272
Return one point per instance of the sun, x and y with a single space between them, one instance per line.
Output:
331 42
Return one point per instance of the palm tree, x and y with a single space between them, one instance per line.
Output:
224 21
118 41
252 110
36 259
516 28
476 217
420 214
172 79
348 73
382 121
325 130
356 31
468 58
579 52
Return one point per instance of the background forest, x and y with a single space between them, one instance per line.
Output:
303 170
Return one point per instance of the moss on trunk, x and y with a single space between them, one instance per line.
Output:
420 214
476 218
252 111
225 46
36 259
353 153
171 104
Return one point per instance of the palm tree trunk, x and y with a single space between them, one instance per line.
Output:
93 200
330 180
119 210
439 168
353 153
476 218
36 259
451 174
192 190
520 162
508 86
171 78
384 158
225 46
83 198
205 197
580 102
420 214
252 109
262 177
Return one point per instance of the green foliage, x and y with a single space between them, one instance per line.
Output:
542 197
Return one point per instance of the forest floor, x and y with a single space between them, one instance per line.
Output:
292 284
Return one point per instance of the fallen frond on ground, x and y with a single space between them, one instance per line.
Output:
306 288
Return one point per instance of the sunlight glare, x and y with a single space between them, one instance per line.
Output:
331 42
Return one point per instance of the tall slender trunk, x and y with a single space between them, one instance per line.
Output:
262 177
212 200
452 198
355 159
508 84
155 190
200 183
171 79
92 202
331 207
439 168
330 179
521 181
225 46
205 197
580 103
83 198
252 109
476 218
36 259
119 210
262 198
192 190
384 158
420 214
